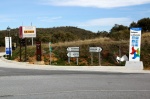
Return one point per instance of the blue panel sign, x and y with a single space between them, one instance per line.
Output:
8 51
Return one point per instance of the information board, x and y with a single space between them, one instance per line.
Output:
135 44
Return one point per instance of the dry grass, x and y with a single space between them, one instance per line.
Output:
2 49
146 37
147 34
87 42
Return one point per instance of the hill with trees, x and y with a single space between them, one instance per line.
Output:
55 34
69 33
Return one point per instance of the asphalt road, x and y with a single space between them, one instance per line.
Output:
57 84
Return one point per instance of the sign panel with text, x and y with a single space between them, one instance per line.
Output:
75 49
27 31
95 49
8 45
73 54
135 44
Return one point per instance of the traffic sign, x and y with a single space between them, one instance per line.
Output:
73 54
95 49
50 47
8 45
74 49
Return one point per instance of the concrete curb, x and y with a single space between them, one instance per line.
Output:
25 65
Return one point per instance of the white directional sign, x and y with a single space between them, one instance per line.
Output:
75 49
95 49
8 45
73 54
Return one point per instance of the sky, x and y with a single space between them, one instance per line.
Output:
92 15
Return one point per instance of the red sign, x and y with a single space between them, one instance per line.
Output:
38 51
20 32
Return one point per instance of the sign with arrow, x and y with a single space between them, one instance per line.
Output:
95 49
73 54
73 49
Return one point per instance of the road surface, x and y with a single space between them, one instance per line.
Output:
61 84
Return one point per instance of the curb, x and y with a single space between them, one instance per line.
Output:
26 65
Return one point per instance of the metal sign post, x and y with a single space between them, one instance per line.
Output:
50 50
25 50
73 52
20 50
99 58
26 32
69 60
91 58
77 61
95 50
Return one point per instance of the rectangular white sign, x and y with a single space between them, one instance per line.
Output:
95 49
8 45
28 31
73 54
135 44
73 49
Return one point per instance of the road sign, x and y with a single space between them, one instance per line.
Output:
135 44
95 49
74 49
8 45
27 31
73 54
50 47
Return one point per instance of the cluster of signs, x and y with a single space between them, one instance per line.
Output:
134 47
74 51
24 32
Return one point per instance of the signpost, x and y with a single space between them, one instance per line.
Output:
95 50
135 49
26 32
135 44
73 52
38 51
8 46
75 49
50 50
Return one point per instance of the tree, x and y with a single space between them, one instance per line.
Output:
102 34
117 28
145 24
133 24
119 32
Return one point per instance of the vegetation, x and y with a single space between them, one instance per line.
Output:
63 37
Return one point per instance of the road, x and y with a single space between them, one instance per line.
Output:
61 84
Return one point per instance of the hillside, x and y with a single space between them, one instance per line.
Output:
55 34
64 37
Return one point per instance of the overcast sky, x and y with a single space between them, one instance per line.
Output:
93 15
